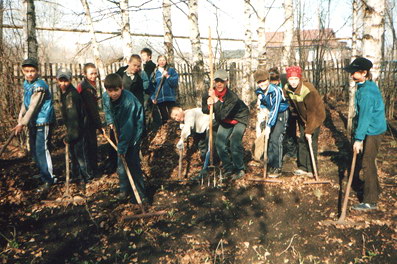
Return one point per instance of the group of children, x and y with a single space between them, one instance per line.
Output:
131 91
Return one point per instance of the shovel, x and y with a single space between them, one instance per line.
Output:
317 180
136 193
341 220
209 157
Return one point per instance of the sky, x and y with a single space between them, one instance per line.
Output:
148 19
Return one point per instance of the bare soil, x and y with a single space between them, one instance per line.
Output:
237 222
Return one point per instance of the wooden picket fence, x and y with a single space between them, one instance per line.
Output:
328 76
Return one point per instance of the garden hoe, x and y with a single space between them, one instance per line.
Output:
341 220
209 157
12 135
67 197
180 164
136 194
265 178
317 180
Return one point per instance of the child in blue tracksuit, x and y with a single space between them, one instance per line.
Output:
273 104
370 126
123 110
37 113
165 81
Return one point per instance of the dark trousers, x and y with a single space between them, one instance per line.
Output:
290 139
80 162
203 139
229 146
39 136
92 147
275 149
304 159
153 117
134 165
165 110
367 169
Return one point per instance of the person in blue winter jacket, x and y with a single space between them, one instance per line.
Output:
274 106
370 124
124 111
165 81
37 113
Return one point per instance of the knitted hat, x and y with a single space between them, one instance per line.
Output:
359 64
261 75
64 73
294 71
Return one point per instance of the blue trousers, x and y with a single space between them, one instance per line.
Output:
81 167
134 165
275 149
229 146
39 137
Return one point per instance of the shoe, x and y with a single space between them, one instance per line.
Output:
274 172
227 174
300 172
365 206
122 196
238 175
45 187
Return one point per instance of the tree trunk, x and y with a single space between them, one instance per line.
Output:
126 30
356 25
31 46
261 35
198 63
246 90
94 42
374 26
168 37
288 34
1 27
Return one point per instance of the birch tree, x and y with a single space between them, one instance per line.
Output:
356 26
246 91
125 30
288 34
94 42
168 36
198 63
261 34
374 26
31 46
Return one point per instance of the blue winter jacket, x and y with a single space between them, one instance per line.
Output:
370 111
45 113
170 84
126 114
273 99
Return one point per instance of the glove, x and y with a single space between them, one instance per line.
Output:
179 145
267 131
358 146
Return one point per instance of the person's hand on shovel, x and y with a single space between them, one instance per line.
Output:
17 129
179 145
358 146
308 137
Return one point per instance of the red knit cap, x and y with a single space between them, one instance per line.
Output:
294 71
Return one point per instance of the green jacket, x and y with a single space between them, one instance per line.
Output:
370 111
126 114
73 114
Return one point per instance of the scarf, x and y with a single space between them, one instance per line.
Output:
221 94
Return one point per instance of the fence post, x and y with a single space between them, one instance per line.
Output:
233 75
